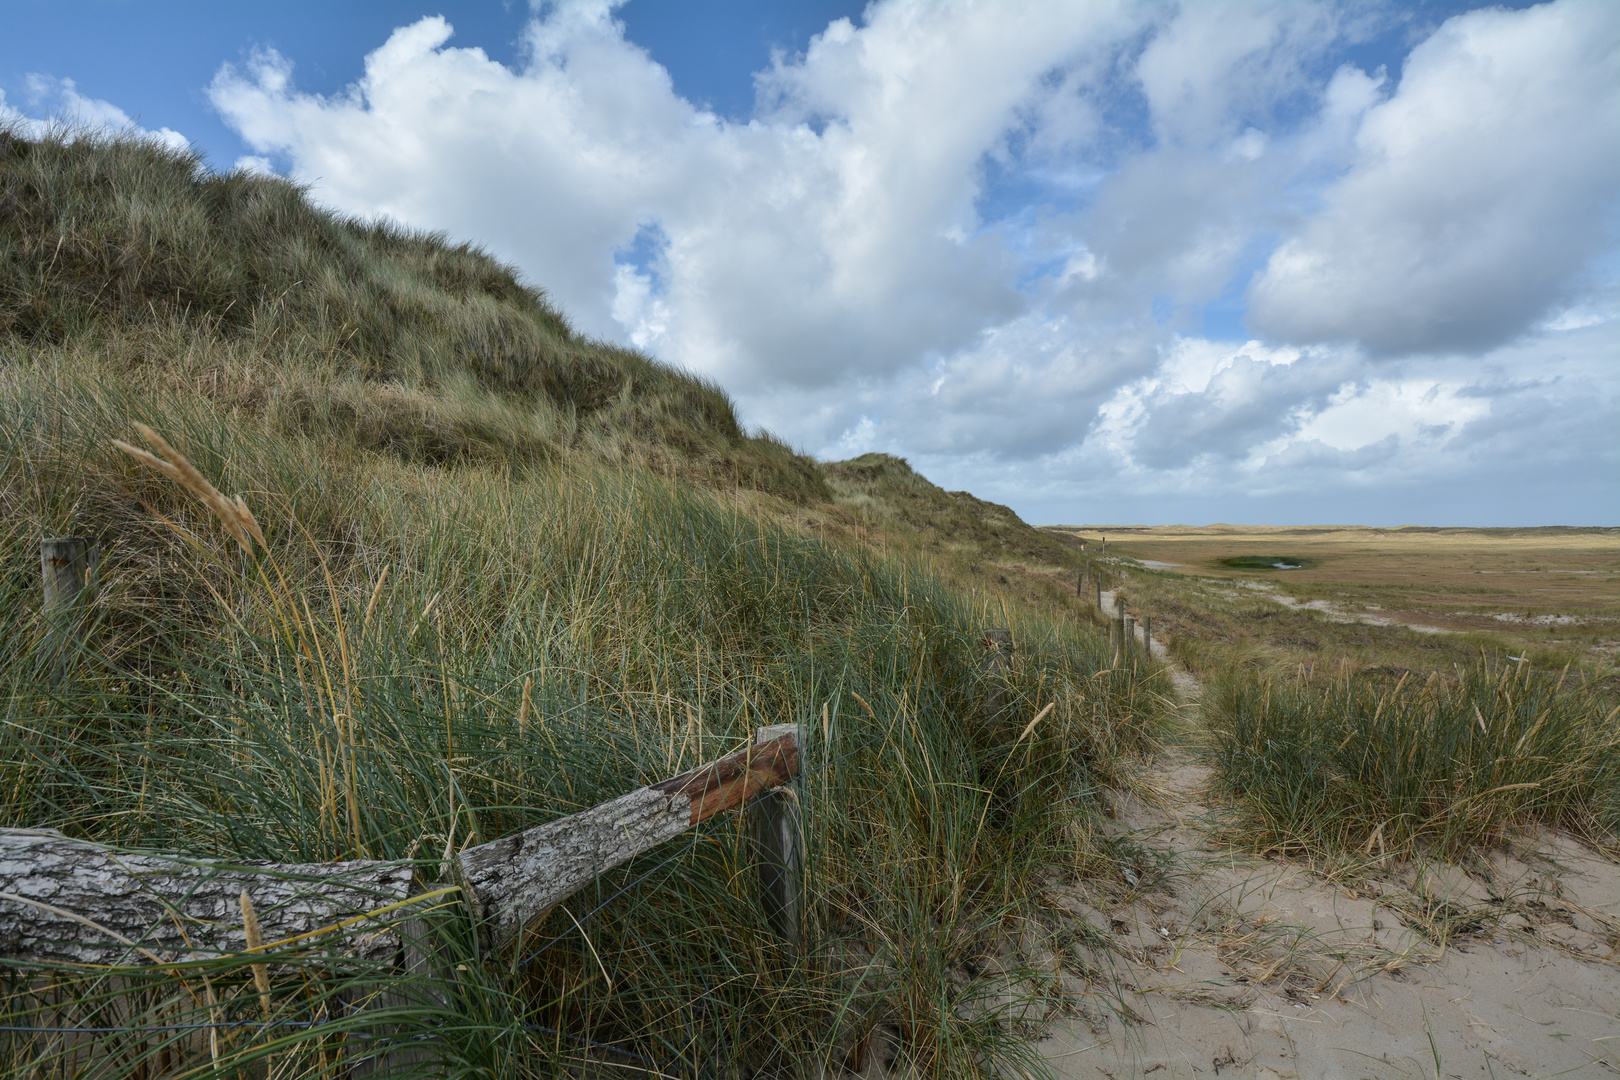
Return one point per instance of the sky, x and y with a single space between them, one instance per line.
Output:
1289 262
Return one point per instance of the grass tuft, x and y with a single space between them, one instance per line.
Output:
1379 766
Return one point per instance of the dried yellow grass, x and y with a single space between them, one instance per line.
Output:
232 513
255 942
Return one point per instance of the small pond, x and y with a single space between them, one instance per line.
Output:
1265 562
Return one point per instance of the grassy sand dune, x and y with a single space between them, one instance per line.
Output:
506 572
123 260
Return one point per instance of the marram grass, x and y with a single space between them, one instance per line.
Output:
130 262
401 661
1371 766
413 565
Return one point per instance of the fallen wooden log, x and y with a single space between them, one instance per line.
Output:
73 901
517 879
78 902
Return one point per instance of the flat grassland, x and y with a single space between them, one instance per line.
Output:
1553 591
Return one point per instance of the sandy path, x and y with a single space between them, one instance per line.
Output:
1185 684
1222 964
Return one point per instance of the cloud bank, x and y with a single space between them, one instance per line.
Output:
1093 259
1476 195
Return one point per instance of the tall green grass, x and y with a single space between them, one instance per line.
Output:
424 657
1374 766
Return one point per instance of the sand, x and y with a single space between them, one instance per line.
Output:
1238 966
1227 964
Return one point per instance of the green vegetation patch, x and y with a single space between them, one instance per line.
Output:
1360 765
489 595
422 661
887 491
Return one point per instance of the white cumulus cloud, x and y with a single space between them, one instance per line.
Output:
56 104
1478 195
1066 255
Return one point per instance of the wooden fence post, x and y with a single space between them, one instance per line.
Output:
1147 637
1116 629
1128 636
1099 590
67 566
779 848
387 1049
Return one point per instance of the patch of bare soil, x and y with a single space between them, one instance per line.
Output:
1210 963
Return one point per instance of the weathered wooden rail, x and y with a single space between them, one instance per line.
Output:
76 902
514 881
71 901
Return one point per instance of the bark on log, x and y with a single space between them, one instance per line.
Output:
68 900
513 881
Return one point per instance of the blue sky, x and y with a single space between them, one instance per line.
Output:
1269 261
155 58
